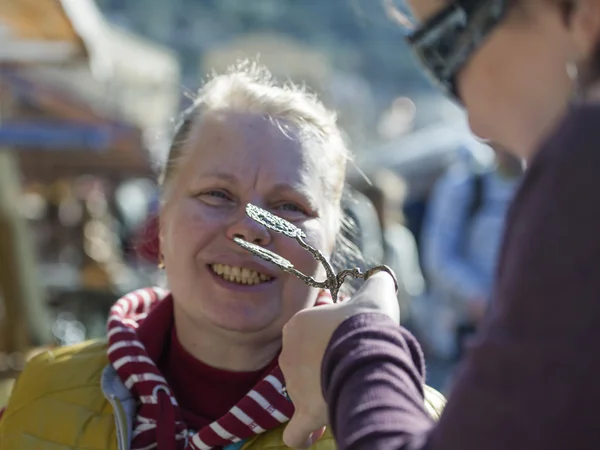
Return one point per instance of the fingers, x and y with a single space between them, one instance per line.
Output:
379 282
300 431
385 269
377 294
316 435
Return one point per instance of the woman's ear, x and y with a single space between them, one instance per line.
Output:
162 227
585 26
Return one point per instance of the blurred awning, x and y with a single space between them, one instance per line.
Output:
52 135
57 133
74 82
119 75
36 20
38 31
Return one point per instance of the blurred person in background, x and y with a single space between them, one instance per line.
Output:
528 74
387 191
196 366
462 232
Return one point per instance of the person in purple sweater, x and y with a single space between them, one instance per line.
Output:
528 73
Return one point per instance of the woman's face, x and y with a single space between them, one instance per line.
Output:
516 85
231 160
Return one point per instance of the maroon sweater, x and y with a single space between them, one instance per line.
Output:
532 379
204 393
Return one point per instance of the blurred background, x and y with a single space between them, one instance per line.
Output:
88 94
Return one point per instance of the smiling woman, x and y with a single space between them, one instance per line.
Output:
243 143
196 367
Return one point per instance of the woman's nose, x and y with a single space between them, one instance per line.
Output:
249 230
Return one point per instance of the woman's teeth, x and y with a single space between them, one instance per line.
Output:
239 275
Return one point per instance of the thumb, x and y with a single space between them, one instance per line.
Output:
300 431
377 294
380 282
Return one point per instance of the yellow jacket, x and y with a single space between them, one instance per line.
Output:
70 398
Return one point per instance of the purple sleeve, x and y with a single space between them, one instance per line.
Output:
372 381
531 379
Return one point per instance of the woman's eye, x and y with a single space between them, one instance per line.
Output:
218 194
215 196
291 211
290 207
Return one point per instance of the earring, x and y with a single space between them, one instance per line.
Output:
573 74
161 262
572 71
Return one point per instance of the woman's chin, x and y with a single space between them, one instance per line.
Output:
243 320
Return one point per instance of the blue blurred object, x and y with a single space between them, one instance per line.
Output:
50 135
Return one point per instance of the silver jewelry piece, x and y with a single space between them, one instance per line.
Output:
574 75
333 282
572 71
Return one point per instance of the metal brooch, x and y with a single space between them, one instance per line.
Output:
333 282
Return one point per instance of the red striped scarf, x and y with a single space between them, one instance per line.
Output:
265 407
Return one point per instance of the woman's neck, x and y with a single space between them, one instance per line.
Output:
223 349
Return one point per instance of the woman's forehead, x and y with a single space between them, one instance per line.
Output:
249 145
242 129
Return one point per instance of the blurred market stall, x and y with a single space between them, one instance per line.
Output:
85 109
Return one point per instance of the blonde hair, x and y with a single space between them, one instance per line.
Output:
249 87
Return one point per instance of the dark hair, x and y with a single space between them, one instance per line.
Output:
349 246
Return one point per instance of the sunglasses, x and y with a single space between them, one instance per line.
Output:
447 41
